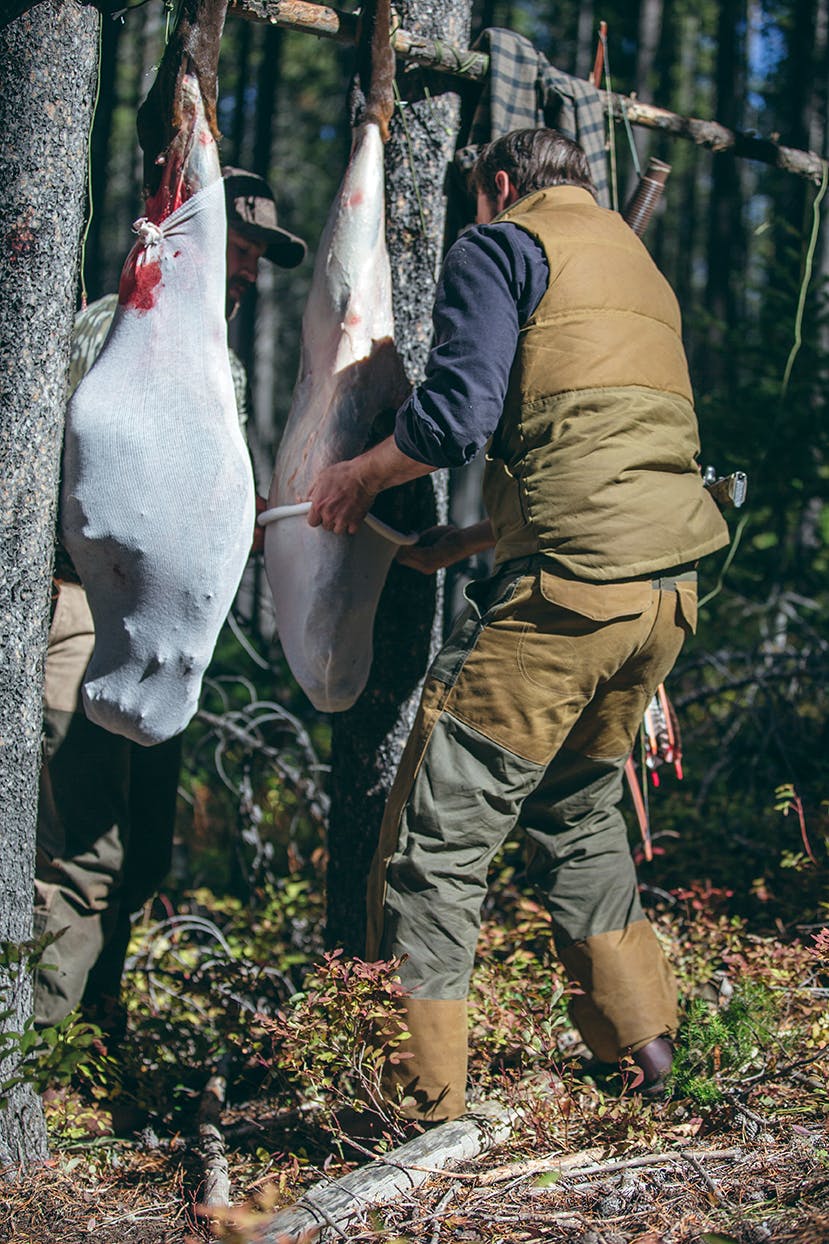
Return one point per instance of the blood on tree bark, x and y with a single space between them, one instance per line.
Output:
369 738
48 54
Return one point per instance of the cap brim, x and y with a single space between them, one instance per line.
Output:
282 248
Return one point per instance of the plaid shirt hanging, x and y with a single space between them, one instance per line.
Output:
523 90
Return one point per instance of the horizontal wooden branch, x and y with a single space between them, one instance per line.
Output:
718 138
330 23
584 1163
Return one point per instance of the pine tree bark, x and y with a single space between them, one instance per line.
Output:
46 92
368 739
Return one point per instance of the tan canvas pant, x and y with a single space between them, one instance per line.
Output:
527 718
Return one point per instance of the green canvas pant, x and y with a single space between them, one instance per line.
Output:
527 717
104 830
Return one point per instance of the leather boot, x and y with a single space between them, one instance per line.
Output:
655 1060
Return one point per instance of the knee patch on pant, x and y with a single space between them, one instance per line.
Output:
430 1085
629 990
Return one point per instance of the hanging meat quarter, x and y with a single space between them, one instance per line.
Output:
157 499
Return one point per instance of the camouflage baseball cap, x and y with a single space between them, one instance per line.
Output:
251 211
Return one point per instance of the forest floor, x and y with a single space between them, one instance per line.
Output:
737 1152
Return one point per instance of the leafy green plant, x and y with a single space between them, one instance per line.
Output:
788 801
519 992
46 1057
196 980
332 1040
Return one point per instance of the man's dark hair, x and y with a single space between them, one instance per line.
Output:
533 160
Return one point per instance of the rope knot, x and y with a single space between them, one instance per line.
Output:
149 234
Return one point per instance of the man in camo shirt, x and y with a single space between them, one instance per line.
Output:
106 809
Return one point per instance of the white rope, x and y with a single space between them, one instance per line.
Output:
302 507
282 511
148 232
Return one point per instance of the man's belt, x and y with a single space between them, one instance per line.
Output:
668 582
665 581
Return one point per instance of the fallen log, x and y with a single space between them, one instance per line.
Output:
216 1188
329 1206
331 23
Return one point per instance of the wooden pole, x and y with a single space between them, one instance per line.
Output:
330 23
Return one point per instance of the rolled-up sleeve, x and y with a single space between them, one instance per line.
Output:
492 280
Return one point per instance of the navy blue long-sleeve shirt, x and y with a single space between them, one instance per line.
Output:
493 279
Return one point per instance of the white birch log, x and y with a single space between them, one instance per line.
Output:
212 1145
324 1211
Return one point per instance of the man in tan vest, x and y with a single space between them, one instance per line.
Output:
557 344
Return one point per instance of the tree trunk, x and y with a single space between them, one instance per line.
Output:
685 185
267 81
368 740
726 249
648 37
819 141
49 61
101 210
237 136
151 44
117 173
267 87
586 39
650 29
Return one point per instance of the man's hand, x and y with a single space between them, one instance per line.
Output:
340 498
343 494
444 546
436 548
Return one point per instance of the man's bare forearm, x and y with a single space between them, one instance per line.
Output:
478 538
444 546
385 466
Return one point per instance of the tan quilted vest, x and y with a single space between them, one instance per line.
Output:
593 462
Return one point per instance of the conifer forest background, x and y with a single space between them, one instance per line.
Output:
234 968
734 237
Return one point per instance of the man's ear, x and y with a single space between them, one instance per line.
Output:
507 193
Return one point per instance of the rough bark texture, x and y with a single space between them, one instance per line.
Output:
368 740
46 93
